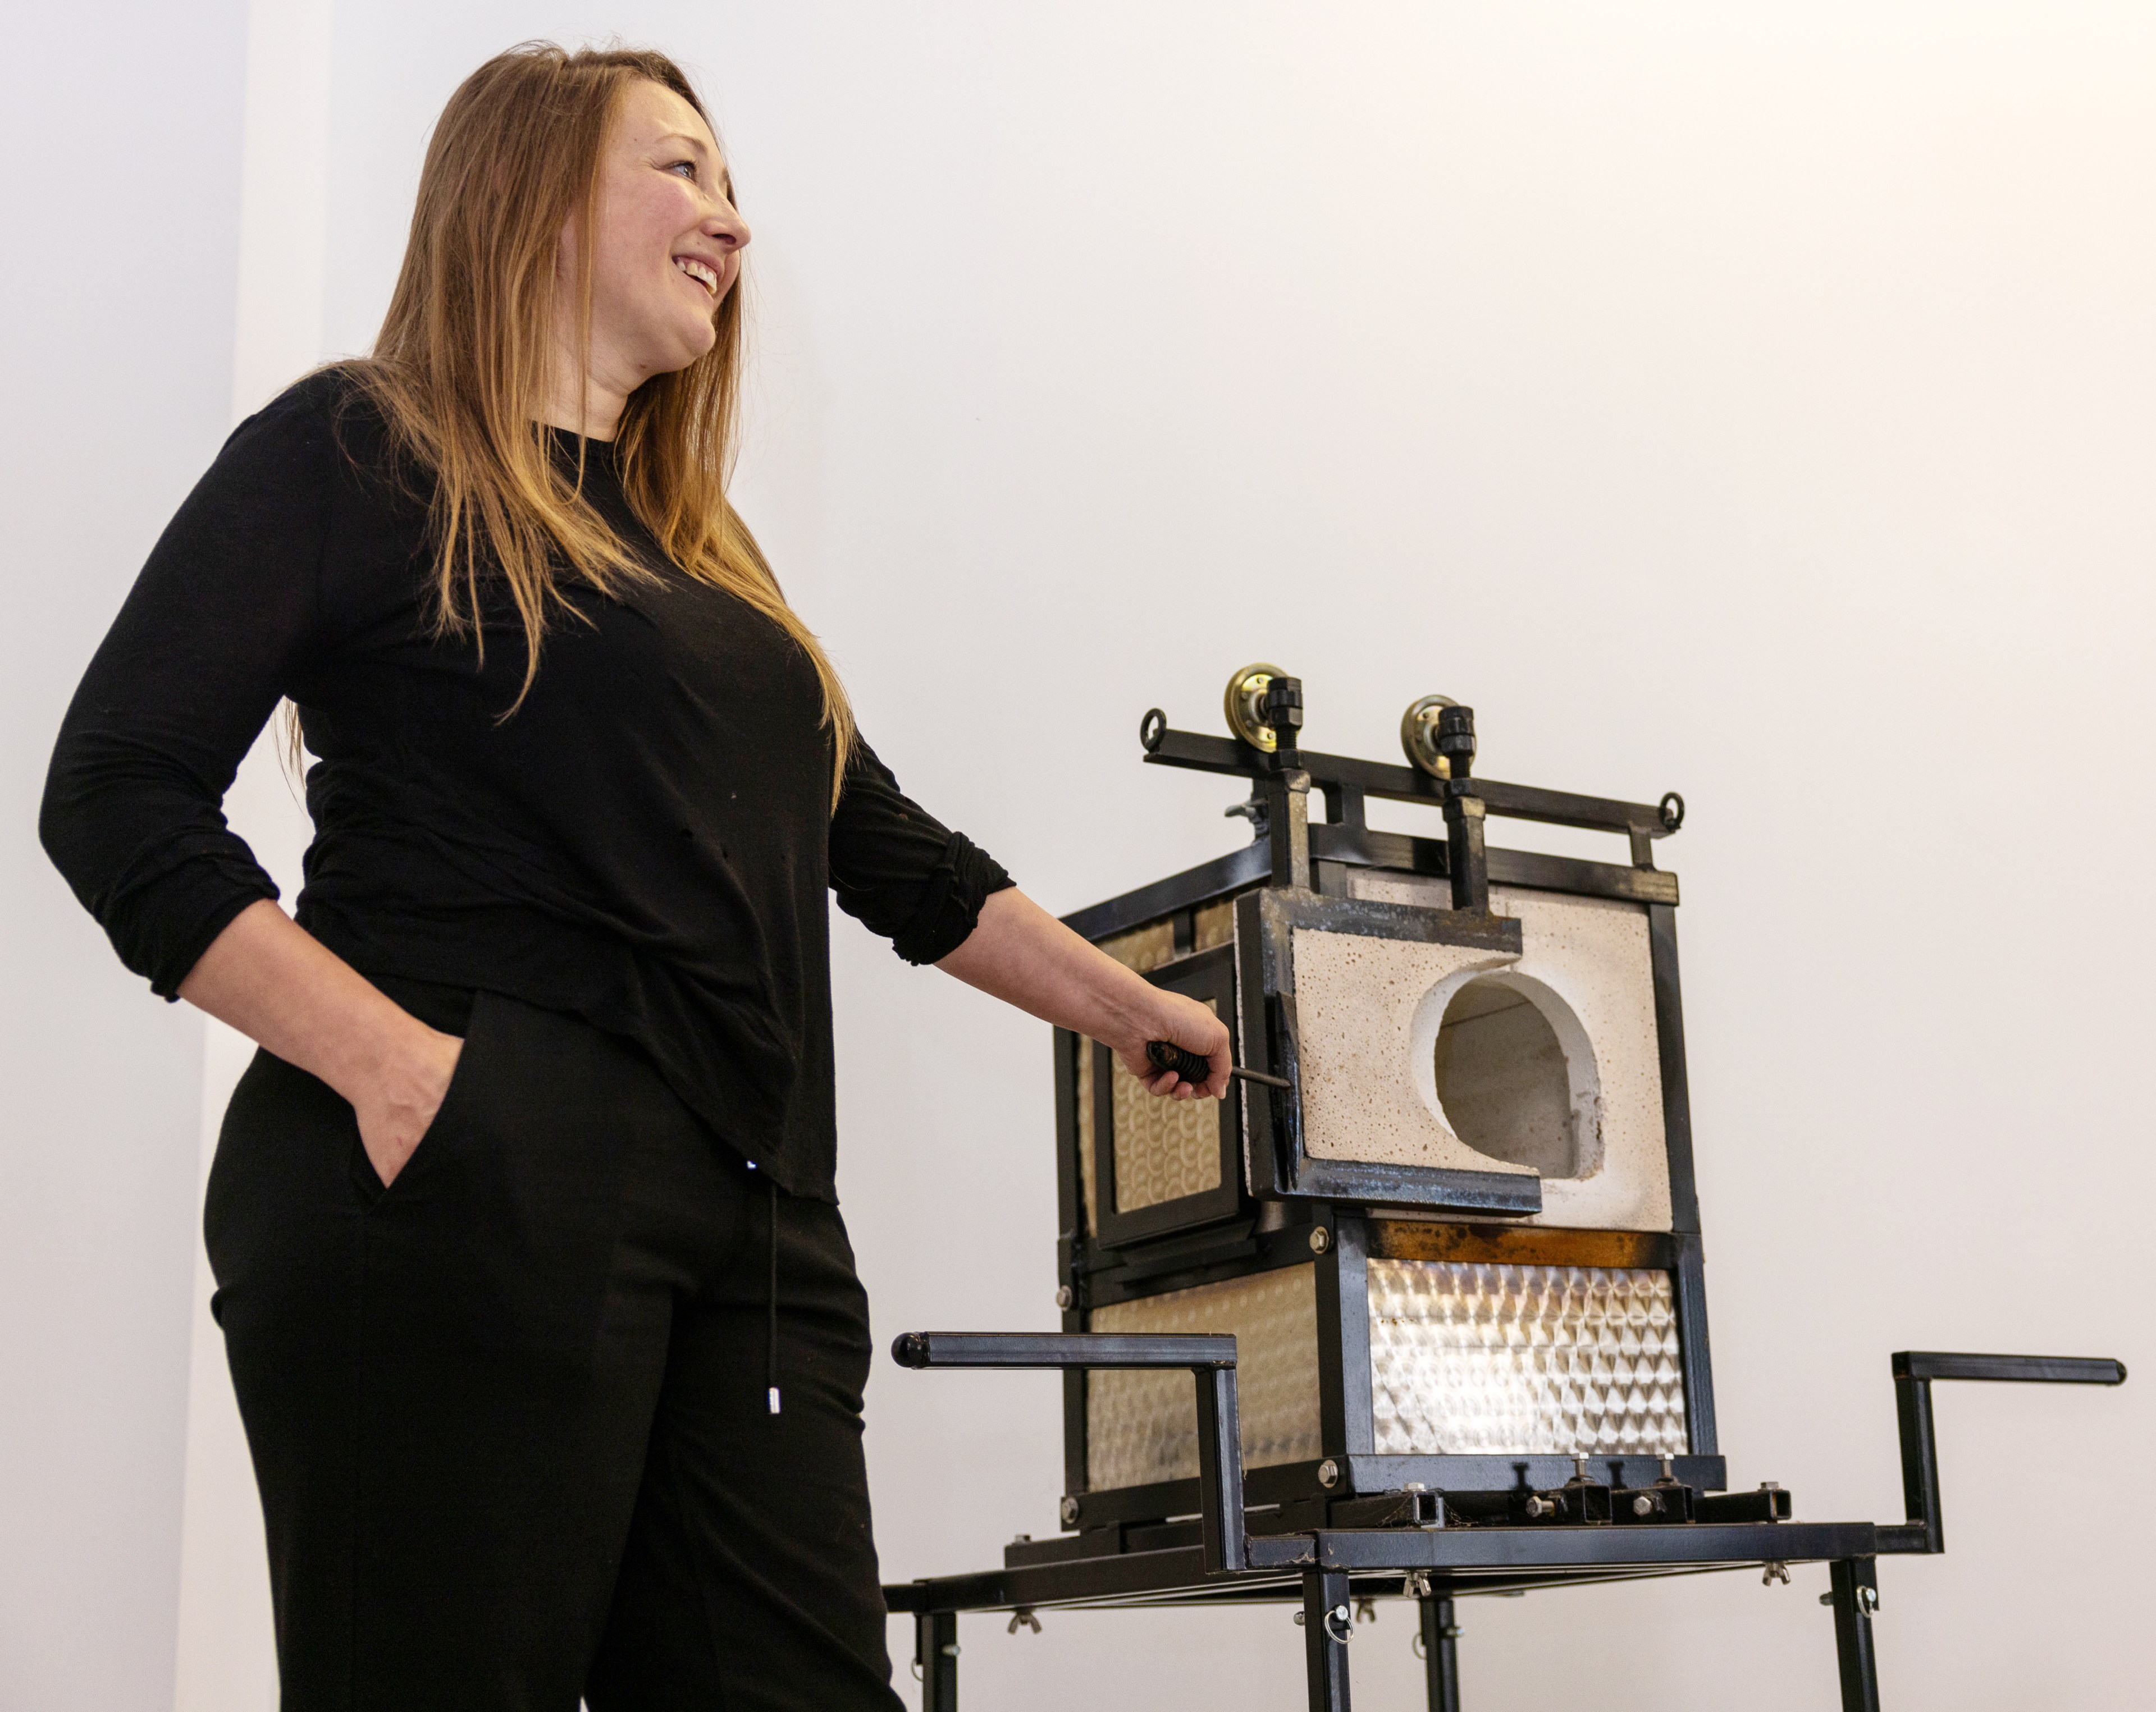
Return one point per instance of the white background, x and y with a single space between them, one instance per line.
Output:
1756 401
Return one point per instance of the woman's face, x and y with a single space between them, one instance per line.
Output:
667 243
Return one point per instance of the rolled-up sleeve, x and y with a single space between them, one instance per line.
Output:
209 638
900 872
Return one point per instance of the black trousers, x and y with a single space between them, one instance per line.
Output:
508 1415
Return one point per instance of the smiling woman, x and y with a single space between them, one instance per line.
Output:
588 315
540 1311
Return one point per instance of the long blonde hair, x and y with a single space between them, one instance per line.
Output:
460 369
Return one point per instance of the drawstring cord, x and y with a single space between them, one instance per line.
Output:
771 1299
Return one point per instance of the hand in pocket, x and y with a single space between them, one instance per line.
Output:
396 1105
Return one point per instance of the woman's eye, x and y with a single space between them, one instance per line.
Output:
686 167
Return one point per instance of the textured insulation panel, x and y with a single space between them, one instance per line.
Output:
1143 1426
1165 1149
1188 1162
1476 1359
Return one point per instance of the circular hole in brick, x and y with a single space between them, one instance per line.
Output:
1502 1080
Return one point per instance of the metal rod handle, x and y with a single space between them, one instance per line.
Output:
1210 1359
1914 1371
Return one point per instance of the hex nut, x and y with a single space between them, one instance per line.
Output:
1328 1473
1643 1506
1063 1298
1070 1510
1320 1239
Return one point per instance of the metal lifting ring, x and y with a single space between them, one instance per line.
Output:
1152 729
1671 809
1419 734
1340 1624
1245 704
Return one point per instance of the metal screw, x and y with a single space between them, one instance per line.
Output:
1540 1506
1867 1599
1328 1473
1320 1239
1643 1506
1415 1486
1024 1614
1669 1469
1773 1572
1063 1298
1070 1511
1021 1539
1298 1619
1579 1469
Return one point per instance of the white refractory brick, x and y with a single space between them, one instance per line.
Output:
1475 1359
1357 999
1369 1011
1141 1427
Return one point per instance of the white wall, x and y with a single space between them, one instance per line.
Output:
225 1659
120 129
1757 404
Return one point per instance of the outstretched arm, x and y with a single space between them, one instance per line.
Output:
1022 955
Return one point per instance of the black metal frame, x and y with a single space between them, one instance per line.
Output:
1328 1555
1354 1524
1119 1263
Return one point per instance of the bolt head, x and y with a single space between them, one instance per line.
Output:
1643 1506
1070 1509
1320 1239
1328 1473
1063 1298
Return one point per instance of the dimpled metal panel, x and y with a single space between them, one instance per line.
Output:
1165 1149
1141 1427
1469 1358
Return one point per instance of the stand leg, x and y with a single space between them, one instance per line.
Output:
1440 1652
1855 1596
1329 1624
936 1650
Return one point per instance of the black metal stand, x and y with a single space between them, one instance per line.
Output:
1229 1556
936 1654
1440 1652
1855 1597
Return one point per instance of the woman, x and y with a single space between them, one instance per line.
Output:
540 1315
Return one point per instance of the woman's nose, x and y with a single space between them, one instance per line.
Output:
728 227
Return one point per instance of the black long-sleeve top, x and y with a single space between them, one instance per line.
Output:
645 842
